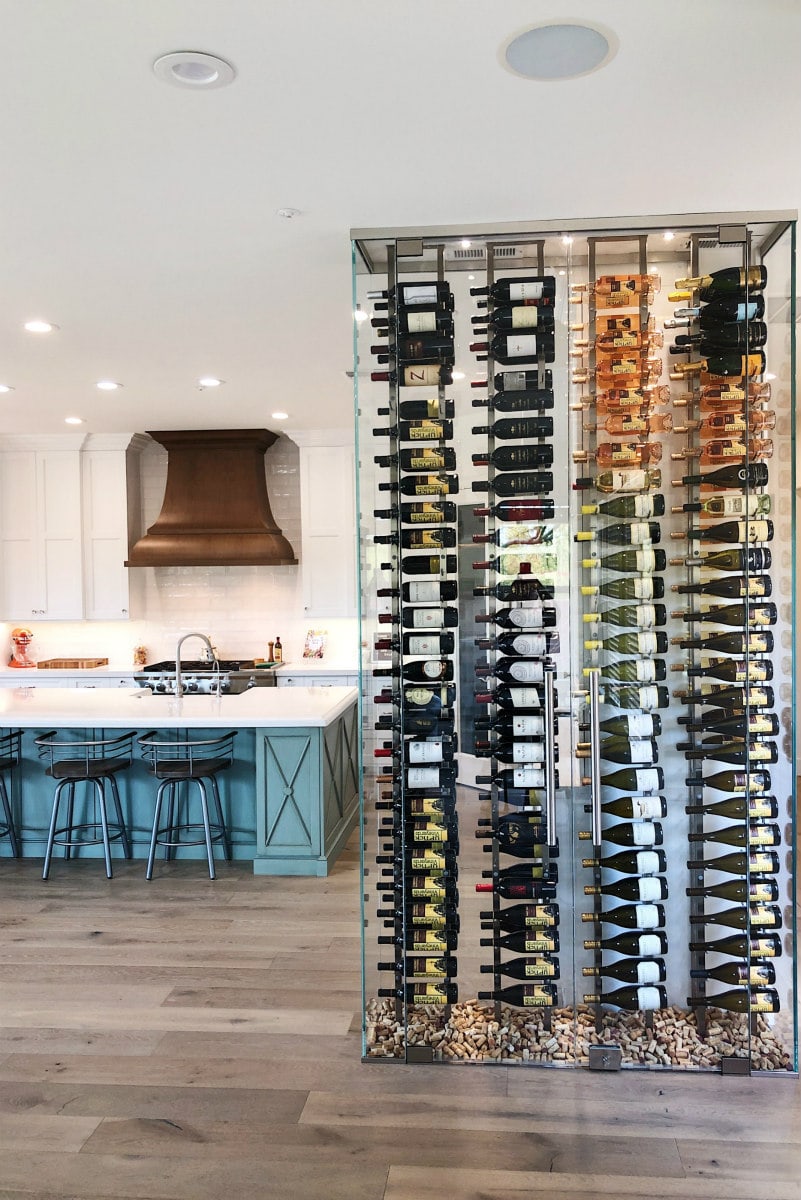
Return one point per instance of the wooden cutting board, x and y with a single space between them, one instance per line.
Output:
68 664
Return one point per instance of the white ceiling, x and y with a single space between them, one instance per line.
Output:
141 218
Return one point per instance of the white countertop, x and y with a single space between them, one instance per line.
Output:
34 675
117 708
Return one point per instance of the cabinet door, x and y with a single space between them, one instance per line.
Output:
105 521
329 540
59 534
20 594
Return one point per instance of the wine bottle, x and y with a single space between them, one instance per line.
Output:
414 295
421 318
524 995
424 485
637 507
525 918
516 828
639 971
512 752
621 481
734 781
753 916
418 431
635 779
434 409
626 424
642 945
754 975
743 336
517 483
739 725
729 424
767 945
523 533
427 591
756 862
726 283
413 349
523 510
736 753
629 750
732 531
424 992
639 808
522 588
635 999
531 289
740 891
724 312
418 967
626 286
430 750
424 618
537 616
637 833
515 564
756 834
630 533
525 725
516 428
518 699
424 512
533 400
633 670
745 615
432 699
642 890
745 505
632 616
542 967
525 941
744 1000
426 564
734 670
433 538
422 459
631 862
418 375
642 561
512 458
521 778
422 941
736 475
630 916
737 808
633 588
519 348
519 381
744 558
519 889
518 316
625 696
429 671
735 449
523 645
646 641
623 454
429 645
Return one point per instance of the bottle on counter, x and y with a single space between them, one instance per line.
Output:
278 651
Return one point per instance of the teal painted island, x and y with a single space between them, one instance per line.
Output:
290 799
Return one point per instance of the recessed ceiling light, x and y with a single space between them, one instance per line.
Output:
279 416
287 213
39 326
108 385
457 375
567 240
466 243
210 381
4 387
73 420
668 235
559 50
194 69
471 276
561 272
359 313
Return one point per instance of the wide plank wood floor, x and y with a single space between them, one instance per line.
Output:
198 1040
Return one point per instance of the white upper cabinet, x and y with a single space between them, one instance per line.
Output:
110 488
328 523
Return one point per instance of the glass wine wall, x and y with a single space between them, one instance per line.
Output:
613 864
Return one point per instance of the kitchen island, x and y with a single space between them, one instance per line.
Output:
290 799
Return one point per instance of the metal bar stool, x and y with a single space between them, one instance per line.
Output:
9 758
188 761
96 762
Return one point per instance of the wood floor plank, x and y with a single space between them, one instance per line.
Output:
40 1133
303 993
59 1041
311 1021
269 1106
759 1161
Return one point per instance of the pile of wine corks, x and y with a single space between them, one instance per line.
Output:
671 1039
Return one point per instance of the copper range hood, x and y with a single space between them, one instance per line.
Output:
216 511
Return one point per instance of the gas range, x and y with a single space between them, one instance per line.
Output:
199 677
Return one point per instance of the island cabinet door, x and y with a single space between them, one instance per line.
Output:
288 802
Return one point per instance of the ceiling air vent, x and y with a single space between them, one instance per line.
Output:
478 254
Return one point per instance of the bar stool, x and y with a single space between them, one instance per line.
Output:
96 762
9 758
188 761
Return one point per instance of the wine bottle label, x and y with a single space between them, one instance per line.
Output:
426 515
535 997
646 780
644 618
643 588
525 317
643 506
646 561
761 863
424 460
650 890
648 998
639 532
647 918
530 726
649 945
528 777
427 618
623 481
423 645
645 807
423 431
521 345
422 995
645 670
431 946
429 835
425 752
421 322
423 293
647 862
540 945
523 697
526 618
421 697
423 593
525 291
647 972
422 777
647 643
528 752
540 970
641 751
761 1002
532 645
527 672
640 725
762 915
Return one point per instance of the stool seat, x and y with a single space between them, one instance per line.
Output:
97 762
189 760
9 758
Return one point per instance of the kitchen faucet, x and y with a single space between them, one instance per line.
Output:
179 687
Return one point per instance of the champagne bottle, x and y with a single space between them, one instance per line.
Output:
525 941
726 364
418 967
642 561
526 968
741 336
524 995
733 531
644 945
757 862
621 481
744 1000
421 459
522 588
525 919
768 945
626 696
735 475
418 295
517 483
754 975
426 564
630 533
646 641
740 891
634 670
418 539
530 289
632 616
642 890
532 400
423 512
516 564
522 644
640 808
512 458
757 834
631 862
424 618
422 941
523 533
515 428
635 999
753 916
744 505
635 779
744 558
750 615
424 992
734 781
518 381
537 616
724 312
420 375
633 588
639 971
518 348
737 808
639 507
424 485
421 318
523 510
630 916
726 283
